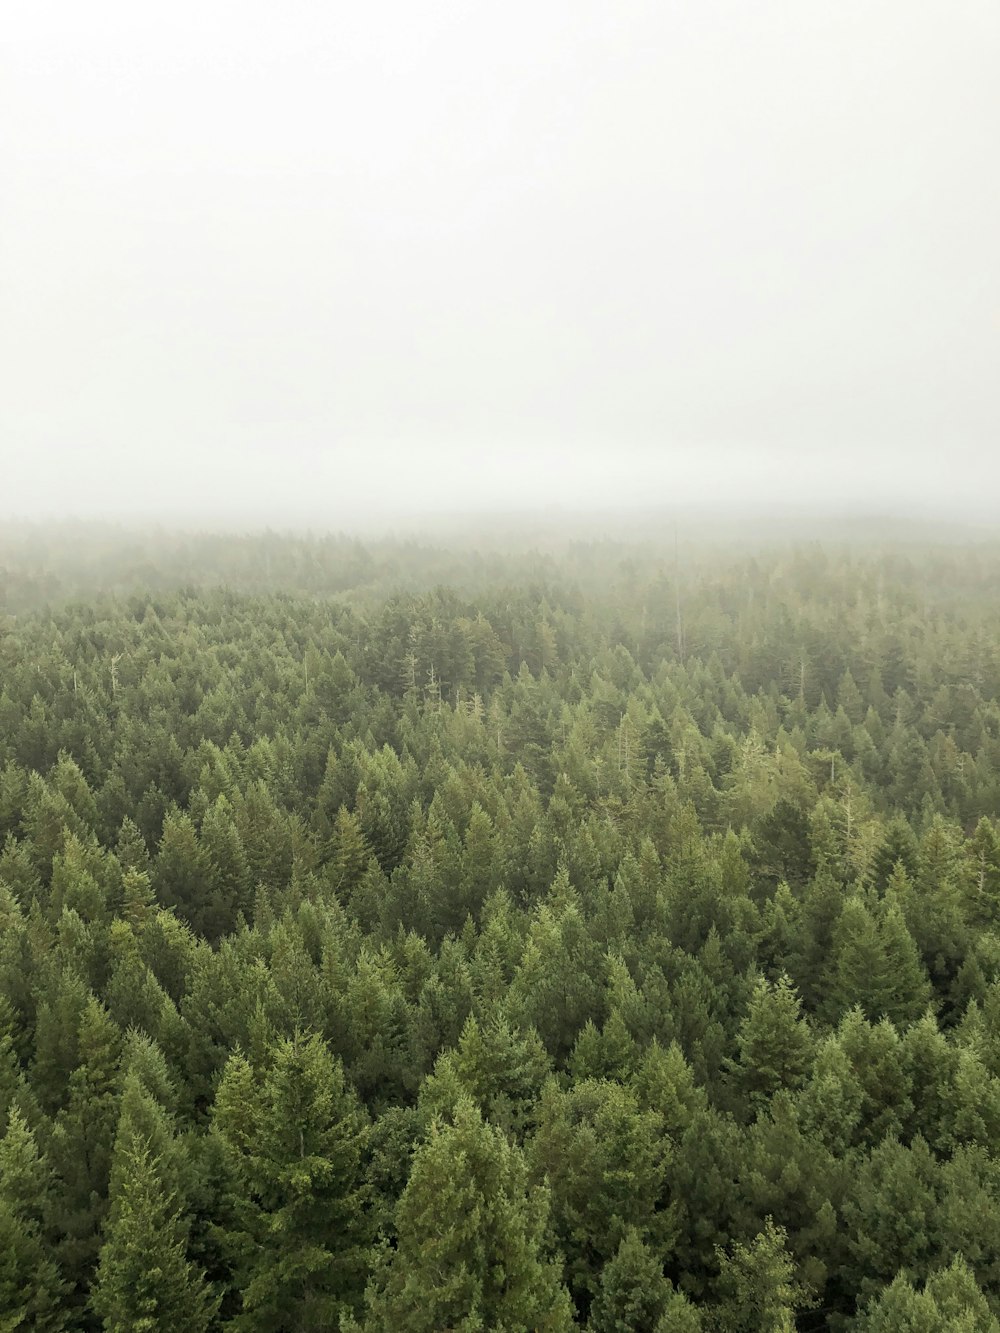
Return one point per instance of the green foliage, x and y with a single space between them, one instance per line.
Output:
471 1248
145 1282
31 1290
502 1070
875 964
409 938
606 1162
295 1137
759 1292
635 1297
950 1302
775 1044
82 1141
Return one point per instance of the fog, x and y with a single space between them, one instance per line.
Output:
270 263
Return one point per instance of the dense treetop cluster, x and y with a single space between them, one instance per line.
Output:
400 939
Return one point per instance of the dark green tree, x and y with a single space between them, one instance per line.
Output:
145 1280
295 1135
775 1044
950 1302
31 1289
471 1253
634 1295
81 1147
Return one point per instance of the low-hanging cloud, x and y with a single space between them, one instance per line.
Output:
325 259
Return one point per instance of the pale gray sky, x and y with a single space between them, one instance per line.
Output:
317 258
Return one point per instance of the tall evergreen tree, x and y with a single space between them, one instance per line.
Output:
775 1043
950 1302
31 1289
471 1252
875 964
295 1134
145 1282
635 1296
758 1287
82 1141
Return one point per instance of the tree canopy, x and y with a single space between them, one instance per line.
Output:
412 938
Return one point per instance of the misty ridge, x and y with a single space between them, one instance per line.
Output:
53 561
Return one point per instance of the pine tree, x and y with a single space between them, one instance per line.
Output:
15 1092
81 1147
182 868
875 964
775 1043
932 1063
30 1284
758 1287
131 849
226 891
902 961
500 1068
983 854
145 1282
556 989
951 1302
607 1163
57 1035
470 1254
879 1070
295 1136
634 1295
890 1216
346 854
138 898
899 846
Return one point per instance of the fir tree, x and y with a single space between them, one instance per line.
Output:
295 1136
950 1302
145 1282
31 1289
875 964
758 1287
775 1044
81 1148
634 1295
471 1251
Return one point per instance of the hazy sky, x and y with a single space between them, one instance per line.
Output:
278 258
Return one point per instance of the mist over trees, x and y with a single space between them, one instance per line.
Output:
408 936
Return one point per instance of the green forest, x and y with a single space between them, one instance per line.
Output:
414 938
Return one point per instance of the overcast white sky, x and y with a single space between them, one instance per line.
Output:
318 258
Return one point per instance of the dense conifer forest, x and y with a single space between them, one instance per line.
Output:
404 939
